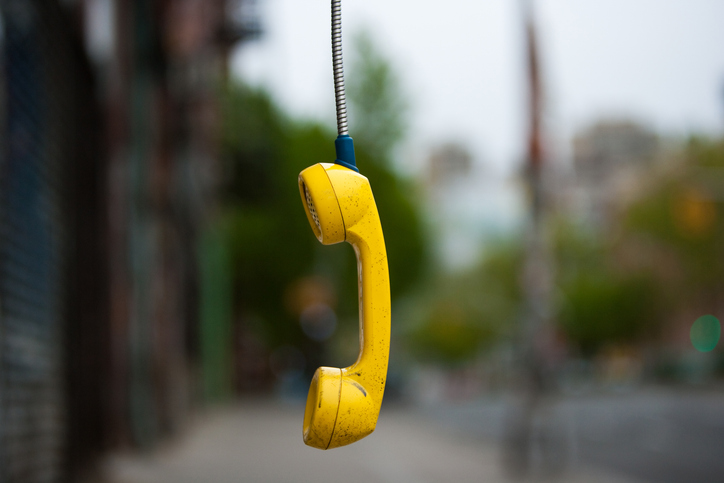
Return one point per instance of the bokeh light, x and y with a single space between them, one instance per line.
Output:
705 333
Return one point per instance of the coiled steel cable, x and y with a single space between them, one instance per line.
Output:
339 95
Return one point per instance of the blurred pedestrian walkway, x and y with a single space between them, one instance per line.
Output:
261 441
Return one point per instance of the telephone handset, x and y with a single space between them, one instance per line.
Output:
343 404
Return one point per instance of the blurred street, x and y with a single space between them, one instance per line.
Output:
260 441
657 435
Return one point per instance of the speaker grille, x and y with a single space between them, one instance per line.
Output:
310 205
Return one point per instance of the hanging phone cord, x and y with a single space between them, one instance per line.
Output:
344 146
339 94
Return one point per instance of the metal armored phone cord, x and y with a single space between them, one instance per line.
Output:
343 143
337 63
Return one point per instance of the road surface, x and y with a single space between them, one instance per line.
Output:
659 435
261 441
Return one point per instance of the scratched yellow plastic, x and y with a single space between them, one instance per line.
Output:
343 404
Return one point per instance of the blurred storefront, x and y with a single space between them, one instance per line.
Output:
108 179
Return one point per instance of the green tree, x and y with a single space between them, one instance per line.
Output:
378 106
602 302
681 223
462 314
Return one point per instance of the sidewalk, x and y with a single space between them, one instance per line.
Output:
261 441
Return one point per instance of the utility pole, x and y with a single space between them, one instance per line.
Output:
529 430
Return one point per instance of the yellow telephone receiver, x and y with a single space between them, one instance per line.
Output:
343 404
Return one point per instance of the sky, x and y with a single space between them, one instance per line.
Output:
461 64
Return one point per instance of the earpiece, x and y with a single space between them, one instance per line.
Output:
343 404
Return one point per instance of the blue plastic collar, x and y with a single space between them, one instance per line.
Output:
345 152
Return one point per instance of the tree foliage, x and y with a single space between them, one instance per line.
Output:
462 314
378 110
